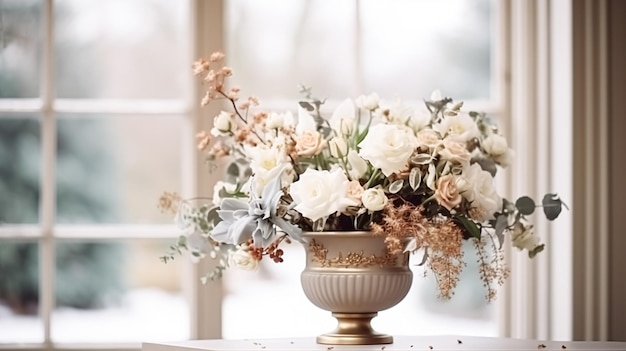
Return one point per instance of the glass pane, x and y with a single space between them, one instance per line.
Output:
20 48
100 44
20 321
253 304
275 45
20 163
118 292
112 170
412 47
408 48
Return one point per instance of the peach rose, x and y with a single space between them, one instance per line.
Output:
447 193
310 143
455 150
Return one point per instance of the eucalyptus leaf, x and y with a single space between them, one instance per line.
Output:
536 250
552 206
501 223
307 106
396 186
415 178
470 226
525 205
233 170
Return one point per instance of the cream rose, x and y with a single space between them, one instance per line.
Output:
524 238
321 193
355 191
461 126
388 147
242 259
310 143
455 150
476 185
428 138
495 144
447 193
374 199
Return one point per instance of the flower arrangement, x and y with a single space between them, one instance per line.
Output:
422 178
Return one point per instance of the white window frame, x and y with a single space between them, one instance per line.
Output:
46 233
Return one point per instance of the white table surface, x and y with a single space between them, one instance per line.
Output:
401 343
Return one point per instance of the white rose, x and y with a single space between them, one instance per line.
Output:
495 144
523 237
222 124
461 126
321 193
275 120
374 199
243 260
358 166
388 147
394 112
504 159
338 147
477 187
368 102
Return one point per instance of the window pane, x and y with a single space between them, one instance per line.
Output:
412 47
20 162
407 48
120 49
118 292
275 45
113 169
19 293
253 305
20 48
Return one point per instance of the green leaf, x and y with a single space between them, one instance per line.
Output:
536 250
470 226
525 205
552 206
233 170
501 223
307 106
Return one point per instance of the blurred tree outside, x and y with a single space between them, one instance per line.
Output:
88 275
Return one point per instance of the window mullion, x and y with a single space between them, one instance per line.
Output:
48 152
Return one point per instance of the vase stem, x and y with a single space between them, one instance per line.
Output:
354 329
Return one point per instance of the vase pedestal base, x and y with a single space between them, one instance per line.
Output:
354 329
